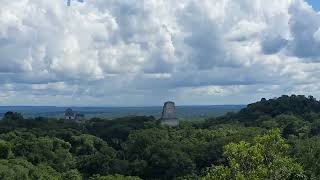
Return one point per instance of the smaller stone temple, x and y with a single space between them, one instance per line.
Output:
70 115
169 115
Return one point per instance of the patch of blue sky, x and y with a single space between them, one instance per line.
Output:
315 4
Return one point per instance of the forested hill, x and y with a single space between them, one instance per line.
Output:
271 139
297 105
254 114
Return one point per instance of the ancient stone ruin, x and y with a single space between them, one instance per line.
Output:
70 115
169 115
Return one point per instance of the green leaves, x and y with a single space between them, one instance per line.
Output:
5 149
93 155
114 177
138 146
266 158
15 169
41 150
307 151
160 155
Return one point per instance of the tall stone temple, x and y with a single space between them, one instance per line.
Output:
169 115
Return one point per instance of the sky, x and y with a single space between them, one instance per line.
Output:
315 4
146 52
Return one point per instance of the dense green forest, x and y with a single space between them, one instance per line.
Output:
272 139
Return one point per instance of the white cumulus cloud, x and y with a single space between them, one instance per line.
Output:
143 52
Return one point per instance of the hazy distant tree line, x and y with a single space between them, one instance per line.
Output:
271 139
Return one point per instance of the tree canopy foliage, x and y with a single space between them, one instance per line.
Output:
270 139
265 158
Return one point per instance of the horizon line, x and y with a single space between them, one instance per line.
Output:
111 106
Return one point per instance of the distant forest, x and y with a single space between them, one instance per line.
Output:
183 112
274 139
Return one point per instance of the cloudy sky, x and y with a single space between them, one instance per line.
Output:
144 52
